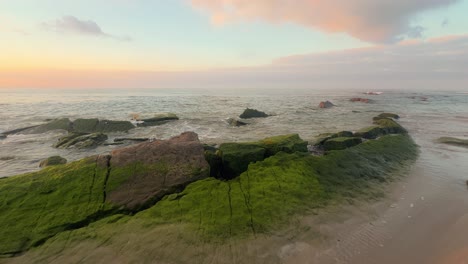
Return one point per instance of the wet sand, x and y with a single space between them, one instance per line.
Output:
423 219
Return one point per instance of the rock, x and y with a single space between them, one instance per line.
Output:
57 124
341 143
151 170
372 132
326 104
53 161
81 141
131 139
389 126
252 113
5 158
95 125
320 139
215 160
285 143
358 99
389 115
156 119
344 134
453 141
235 122
236 157
2 136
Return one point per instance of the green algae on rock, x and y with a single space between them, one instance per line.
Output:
263 198
81 141
53 161
252 113
341 143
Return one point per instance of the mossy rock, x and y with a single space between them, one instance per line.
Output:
58 124
371 132
453 141
252 113
285 143
53 161
345 134
157 119
270 192
81 141
390 126
389 115
237 157
215 160
320 139
37 206
95 125
341 143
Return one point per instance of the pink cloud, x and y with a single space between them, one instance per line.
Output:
378 21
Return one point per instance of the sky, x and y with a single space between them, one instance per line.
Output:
233 43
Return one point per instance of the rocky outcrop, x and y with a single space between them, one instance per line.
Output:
95 125
80 125
81 141
155 119
341 143
252 113
150 170
53 161
326 104
234 158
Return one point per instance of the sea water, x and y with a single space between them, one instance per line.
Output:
427 116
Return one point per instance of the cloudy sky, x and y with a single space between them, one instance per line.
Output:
233 43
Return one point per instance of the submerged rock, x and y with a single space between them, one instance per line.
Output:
252 113
235 122
389 115
2 136
81 141
53 161
326 104
453 141
156 119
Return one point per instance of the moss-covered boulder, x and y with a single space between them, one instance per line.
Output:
236 157
371 132
285 143
344 134
95 125
390 126
453 141
215 160
341 143
36 206
57 124
156 119
252 113
53 161
81 141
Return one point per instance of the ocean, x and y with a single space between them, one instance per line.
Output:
427 115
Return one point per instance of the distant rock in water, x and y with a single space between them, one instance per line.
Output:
117 140
2 136
326 104
358 99
252 113
155 119
81 141
95 125
235 122
53 161
388 115
81 125
453 141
